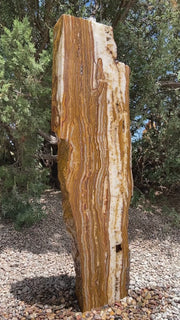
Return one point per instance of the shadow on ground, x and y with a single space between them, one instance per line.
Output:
55 290
44 293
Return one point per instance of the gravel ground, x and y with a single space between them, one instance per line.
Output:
37 278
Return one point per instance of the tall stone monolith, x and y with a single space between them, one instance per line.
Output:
90 115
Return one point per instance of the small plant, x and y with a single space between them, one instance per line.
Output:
23 212
172 214
32 214
137 197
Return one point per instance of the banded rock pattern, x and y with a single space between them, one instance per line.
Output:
90 115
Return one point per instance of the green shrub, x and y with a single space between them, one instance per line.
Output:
24 109
22 212
172 215
137 197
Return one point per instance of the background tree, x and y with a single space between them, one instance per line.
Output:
22 112
148 41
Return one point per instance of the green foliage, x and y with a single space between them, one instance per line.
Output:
23 110
156 159
23 212
137 197
172 215
42 16
148 42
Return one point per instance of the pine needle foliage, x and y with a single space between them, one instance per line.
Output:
22 113
148 41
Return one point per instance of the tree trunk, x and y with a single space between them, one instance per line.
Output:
90 115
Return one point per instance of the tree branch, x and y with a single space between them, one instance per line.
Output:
50 138
47 156
169 84
121 15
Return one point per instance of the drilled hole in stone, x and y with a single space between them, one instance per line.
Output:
118 248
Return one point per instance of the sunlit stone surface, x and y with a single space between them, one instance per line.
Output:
90 115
